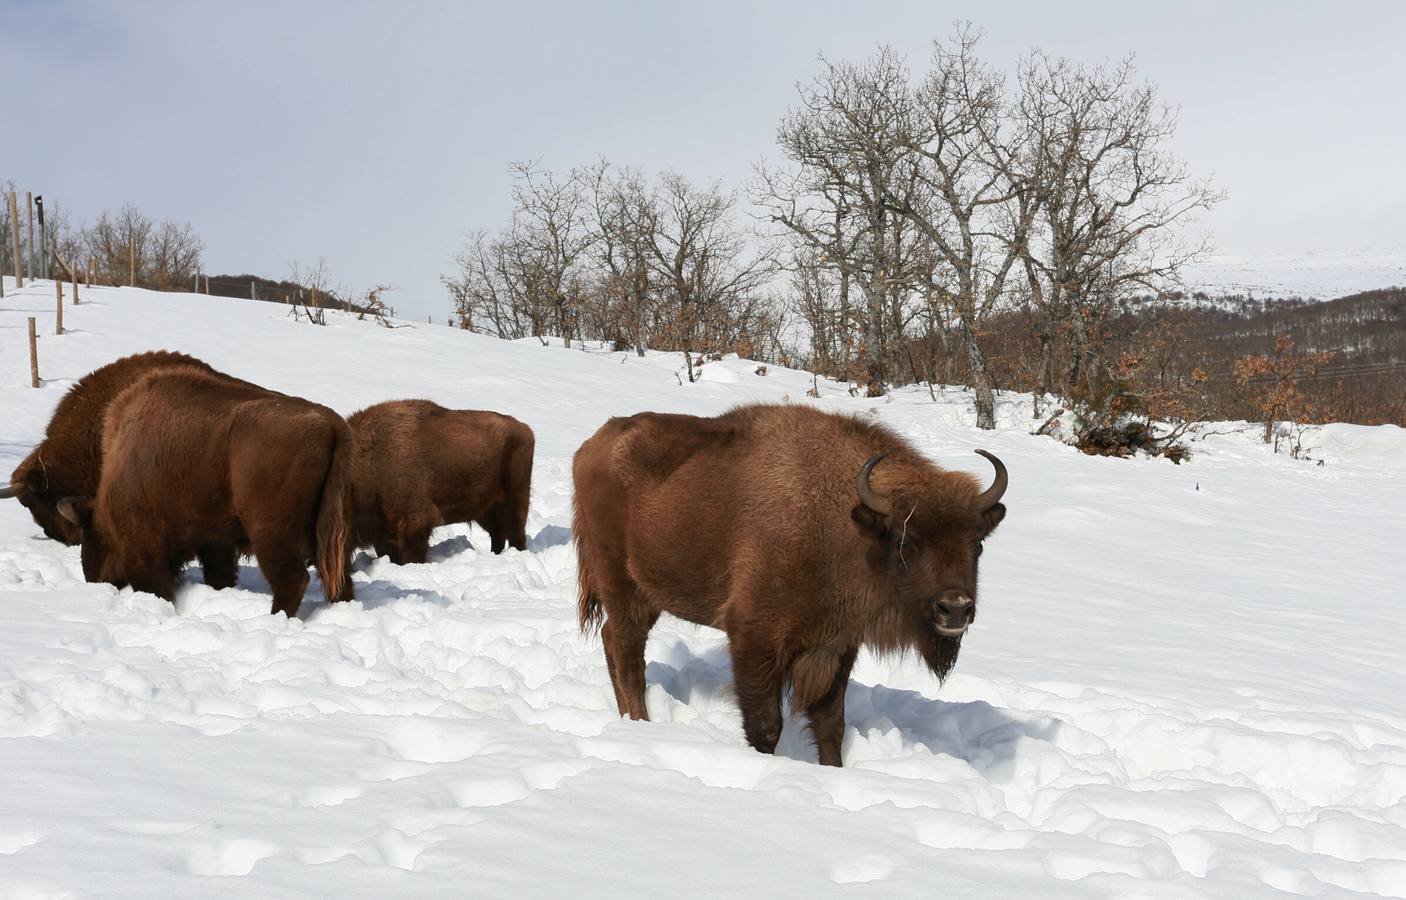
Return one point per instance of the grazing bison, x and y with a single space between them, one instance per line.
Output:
193 460
420 465
800 533
69 459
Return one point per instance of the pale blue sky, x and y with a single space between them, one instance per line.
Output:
377 134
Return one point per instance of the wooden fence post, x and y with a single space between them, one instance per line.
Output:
132 263
15 234
33 355
207 285
73 273
58 305
29 265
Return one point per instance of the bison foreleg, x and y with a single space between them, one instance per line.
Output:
827 714
757 676
154 579
220 565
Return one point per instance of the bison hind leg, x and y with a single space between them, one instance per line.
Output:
624 638
287 574
505 527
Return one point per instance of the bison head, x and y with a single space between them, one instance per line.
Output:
78 512
928 535
30 486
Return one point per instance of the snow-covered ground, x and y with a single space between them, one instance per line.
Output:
1319 276
1184 681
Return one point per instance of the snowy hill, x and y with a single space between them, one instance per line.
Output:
1184 681
1319 276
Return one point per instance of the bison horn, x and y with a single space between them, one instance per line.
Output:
67 509
11 490
992 495
866 494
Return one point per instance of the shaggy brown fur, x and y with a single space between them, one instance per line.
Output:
69 459
193 460
420 465
750 522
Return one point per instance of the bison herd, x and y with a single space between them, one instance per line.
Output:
802 534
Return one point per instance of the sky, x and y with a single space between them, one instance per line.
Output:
377 135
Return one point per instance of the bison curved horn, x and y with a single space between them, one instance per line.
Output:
12 489
68 509
992 495
866 494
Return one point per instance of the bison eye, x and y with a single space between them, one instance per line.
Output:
979 547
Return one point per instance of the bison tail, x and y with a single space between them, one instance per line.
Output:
590 612
334 519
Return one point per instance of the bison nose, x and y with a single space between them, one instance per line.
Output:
956 607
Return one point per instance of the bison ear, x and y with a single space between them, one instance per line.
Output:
76 510
993 516
876 524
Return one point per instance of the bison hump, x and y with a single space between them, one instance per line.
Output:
659 448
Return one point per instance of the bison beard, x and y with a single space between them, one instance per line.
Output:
419 465
194 462
802 534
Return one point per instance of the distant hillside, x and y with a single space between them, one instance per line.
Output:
1320 276
1364 383
272 291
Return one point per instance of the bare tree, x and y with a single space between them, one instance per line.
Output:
130 248
1112 199
611 255
550 235
173 256
711 282
847 173
625 219
314 280
976 206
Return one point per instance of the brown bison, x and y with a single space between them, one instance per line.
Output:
68 461
193 460
420 465
802 534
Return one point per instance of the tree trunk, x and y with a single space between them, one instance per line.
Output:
981 380
874 364
1042 375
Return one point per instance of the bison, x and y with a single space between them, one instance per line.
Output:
68 461
801 534
193 460
420 465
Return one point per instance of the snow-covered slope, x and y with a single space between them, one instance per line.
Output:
1318 276
1184 681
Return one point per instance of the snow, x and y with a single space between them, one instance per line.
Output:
1184 681
1320 276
